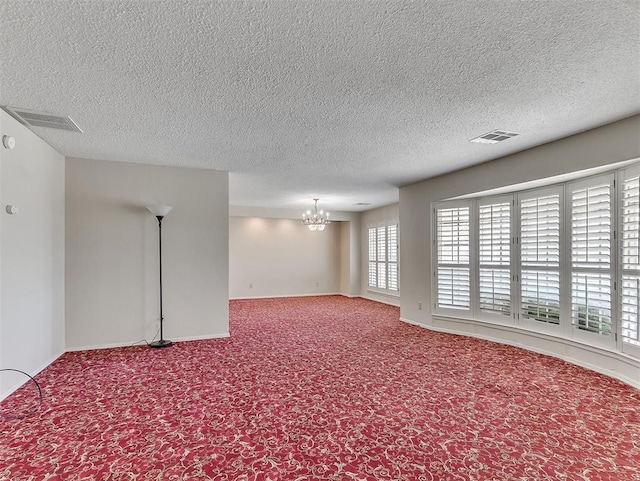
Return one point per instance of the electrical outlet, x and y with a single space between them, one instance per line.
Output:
250 286
317 284
419 306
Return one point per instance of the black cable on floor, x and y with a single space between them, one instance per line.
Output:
145 341
33 411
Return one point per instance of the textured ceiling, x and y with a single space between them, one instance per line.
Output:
297 99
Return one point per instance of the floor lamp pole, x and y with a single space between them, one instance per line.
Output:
159 212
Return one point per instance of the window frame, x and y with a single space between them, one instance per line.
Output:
520 319
622 346
376 228
451 311
593 338
565 328
479 313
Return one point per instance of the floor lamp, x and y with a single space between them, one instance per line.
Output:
160 211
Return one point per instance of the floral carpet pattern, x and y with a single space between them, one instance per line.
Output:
324 388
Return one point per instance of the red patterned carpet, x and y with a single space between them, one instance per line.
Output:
323 388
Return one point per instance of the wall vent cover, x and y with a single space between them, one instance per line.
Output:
494 137
32 118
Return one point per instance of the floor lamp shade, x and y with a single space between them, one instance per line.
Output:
160 211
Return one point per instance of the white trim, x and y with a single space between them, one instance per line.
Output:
381 292
413 323
201 338
382 301
623 362
289 295
33 373
139 343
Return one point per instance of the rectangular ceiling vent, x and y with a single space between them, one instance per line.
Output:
494 137
32 118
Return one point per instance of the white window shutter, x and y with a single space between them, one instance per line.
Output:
563 259
453 235
494 245
591 227
392 257
453 270
591 220
383 257
630 246
373 271
540 258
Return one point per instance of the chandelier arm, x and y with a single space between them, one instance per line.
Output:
315 221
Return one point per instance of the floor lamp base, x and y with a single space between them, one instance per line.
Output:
161 343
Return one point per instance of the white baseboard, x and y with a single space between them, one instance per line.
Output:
140 342
395 303
623 362
414 323
201 338
288 295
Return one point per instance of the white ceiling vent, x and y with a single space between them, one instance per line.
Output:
32 118
494 137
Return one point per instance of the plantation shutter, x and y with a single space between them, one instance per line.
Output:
373 271
591 230
630 252
494 238
452 245
540 257
392 257
382 257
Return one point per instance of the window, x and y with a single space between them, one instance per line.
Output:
373 257
540 256
563 259
591 242
630 260
392 257
383 257
494 242
453 273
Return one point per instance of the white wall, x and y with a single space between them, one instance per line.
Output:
386 215
355 257
31 255
345 257
609 144
348 226
112 253
281 257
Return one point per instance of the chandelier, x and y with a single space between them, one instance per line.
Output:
316 220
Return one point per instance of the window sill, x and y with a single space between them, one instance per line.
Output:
394 294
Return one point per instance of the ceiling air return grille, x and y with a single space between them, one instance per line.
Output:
494 137
32 118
